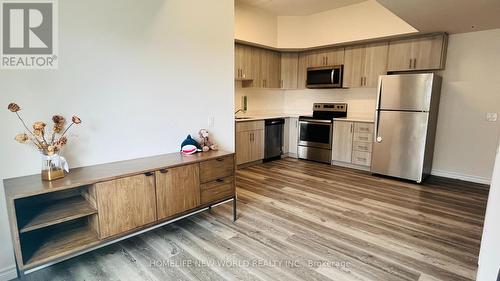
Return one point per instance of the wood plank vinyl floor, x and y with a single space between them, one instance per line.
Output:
300 220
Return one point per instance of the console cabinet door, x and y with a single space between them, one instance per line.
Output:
177 190
126 203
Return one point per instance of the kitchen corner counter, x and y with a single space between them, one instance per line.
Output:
355 119
263 117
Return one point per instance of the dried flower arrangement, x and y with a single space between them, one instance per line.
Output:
50 147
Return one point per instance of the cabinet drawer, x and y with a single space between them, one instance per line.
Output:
362 146
249 126
216 169
361 158
366 137
363 127
217 190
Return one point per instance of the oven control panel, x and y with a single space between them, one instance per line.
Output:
335 107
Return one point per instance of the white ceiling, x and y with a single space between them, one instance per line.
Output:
452 16
297 7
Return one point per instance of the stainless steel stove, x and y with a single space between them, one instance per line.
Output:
316 131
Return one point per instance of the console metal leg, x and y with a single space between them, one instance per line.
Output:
234 209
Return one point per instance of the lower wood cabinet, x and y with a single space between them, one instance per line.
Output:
125 204
342 141
177 190
249 141
352 143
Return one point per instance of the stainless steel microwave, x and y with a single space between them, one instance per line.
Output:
324 77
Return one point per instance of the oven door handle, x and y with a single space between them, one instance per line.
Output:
322 122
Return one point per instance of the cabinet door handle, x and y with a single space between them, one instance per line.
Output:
164 171
148 174
220 159
410 63
219 180
351 127
414 63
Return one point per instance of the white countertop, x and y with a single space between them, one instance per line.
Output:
355 119
263 117
274 116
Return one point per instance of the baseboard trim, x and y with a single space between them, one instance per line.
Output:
459 176
351 166
8 273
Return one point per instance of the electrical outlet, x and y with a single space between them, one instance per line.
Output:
211 121
491 117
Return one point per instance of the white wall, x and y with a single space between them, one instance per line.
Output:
141 75
254 25
365 20
465 141
361 102
489 257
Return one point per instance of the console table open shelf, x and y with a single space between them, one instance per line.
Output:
98 205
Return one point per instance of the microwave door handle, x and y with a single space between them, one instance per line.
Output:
333 74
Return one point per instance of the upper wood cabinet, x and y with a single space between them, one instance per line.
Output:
177 190
289 70
364 64
270 65
257 67
243 64
302 71
425 53
125 204
326 57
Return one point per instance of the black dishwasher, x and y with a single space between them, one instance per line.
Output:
274 139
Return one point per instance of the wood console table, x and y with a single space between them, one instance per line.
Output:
98 205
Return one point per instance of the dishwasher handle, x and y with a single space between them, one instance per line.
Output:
279 121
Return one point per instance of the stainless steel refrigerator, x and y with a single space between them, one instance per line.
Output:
405 125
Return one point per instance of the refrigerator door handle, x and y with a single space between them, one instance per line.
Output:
377 108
